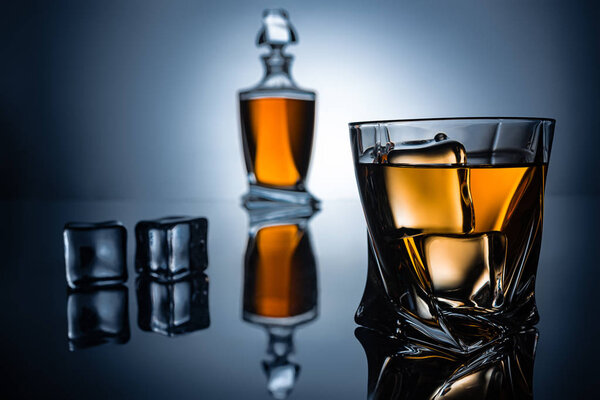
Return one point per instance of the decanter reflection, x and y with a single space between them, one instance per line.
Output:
277 122
280 288
399 369
96 316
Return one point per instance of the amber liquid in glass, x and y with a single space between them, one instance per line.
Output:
277 134
459 229
280 273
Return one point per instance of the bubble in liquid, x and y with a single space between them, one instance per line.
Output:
440 136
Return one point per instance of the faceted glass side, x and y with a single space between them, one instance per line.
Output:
454 212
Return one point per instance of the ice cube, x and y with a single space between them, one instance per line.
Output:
463 270
95 253
173 308
171 247
439 150
96 316
425 192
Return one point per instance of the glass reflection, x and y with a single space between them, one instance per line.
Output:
399 369
97 316
280 287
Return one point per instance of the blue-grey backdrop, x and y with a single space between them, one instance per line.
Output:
137 99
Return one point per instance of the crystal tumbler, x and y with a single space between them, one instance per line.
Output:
454 215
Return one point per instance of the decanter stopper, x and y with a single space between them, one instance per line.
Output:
277 30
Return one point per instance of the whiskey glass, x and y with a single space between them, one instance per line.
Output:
454 215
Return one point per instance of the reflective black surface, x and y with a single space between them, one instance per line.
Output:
232 358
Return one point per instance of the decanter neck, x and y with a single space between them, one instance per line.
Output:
277 69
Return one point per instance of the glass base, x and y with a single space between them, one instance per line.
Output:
455 330
262 197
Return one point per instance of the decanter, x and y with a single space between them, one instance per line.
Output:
277 123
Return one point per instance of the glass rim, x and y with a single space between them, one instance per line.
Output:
401 121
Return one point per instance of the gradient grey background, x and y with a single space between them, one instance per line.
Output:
133 103
137 99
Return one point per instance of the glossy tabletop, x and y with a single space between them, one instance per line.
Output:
224 360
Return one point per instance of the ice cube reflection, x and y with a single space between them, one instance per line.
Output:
173 308
97 316
280 287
